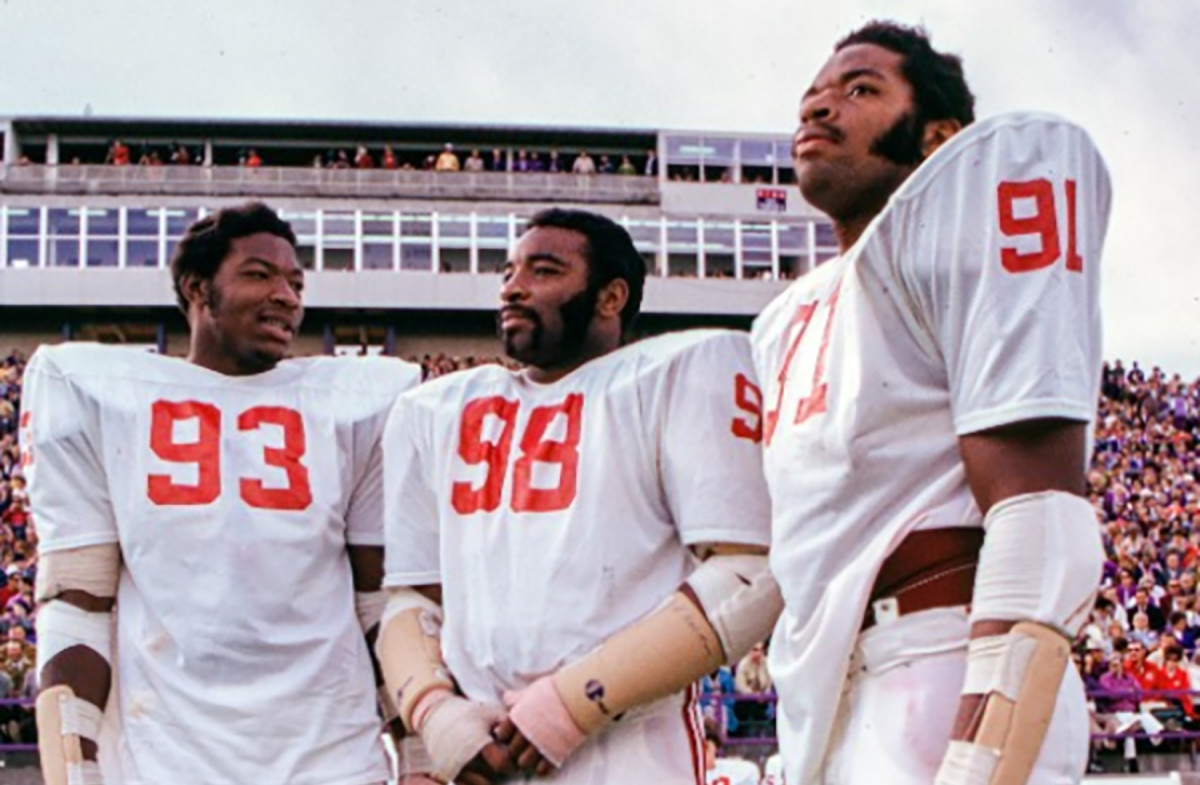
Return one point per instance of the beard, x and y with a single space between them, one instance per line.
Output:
903 143
540 351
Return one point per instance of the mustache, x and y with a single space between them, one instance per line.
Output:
518 310
832 131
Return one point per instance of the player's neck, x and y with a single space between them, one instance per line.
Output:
591 350
854 213
849 230
213 359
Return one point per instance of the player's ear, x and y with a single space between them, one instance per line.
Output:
612 298
195 289
937 133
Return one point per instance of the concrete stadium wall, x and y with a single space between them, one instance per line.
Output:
377 291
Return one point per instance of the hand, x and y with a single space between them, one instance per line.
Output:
491 765
458 735
521 751
542 729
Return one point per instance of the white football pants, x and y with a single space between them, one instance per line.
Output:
900 699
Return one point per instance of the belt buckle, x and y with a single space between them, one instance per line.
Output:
887 610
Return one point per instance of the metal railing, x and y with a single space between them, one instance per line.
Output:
718 704
94 179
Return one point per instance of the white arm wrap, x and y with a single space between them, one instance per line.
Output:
61 625
93 569
397 601
1041 561
740 599
369 607
64 722
1039 567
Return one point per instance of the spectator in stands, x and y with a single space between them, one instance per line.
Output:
253 159
363 159
751 678
1142 604
1174 676
447 160
498 162
1139 667
583 164
19 635
1100 621
15 664
626 166
389 158
1091 666
1184 635
118 154
721 769
12 587
522 162
1141 632
651 167
1119 710
717 691
180 155
474 162
553 165
605 166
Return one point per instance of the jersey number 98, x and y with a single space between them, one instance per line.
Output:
468 499
205 454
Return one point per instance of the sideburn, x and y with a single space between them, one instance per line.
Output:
903 143
577 314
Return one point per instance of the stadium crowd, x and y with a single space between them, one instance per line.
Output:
448 159
18 560
1138 653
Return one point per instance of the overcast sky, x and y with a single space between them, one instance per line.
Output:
1127 70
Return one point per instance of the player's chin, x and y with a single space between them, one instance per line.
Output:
265 355
520 345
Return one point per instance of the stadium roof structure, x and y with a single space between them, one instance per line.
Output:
331 131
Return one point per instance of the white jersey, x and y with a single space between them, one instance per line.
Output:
554 515
970 302
773 770
732 771
240 657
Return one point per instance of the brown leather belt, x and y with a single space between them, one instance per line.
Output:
932 568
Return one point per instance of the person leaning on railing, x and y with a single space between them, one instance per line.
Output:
1119 711
1174 681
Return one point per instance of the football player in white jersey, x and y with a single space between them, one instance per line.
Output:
927 401
725 770
773 770
571 546
230 505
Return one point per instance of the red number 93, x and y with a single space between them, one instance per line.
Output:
205 454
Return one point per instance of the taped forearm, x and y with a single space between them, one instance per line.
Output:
452 729
1039 568
728 604
656 657
410 652
74 667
